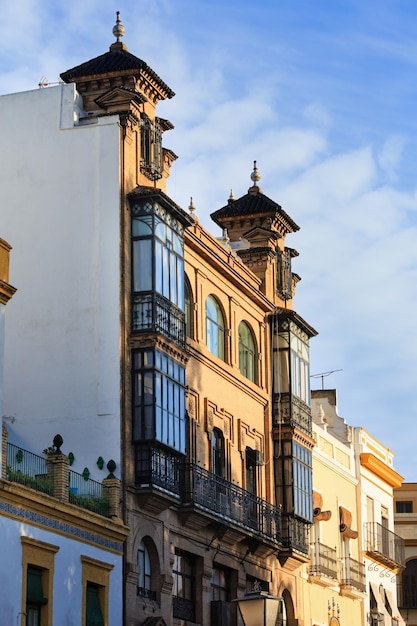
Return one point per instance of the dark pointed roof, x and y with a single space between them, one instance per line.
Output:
117 60
252 203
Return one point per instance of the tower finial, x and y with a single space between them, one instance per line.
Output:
118 29
192 210
255 177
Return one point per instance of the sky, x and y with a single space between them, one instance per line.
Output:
323 96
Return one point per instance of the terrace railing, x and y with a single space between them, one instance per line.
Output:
46 475
29 469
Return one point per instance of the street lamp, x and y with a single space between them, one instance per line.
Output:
259 608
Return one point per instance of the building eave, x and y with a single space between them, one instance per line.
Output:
380 469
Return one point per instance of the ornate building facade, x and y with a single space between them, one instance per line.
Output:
174 354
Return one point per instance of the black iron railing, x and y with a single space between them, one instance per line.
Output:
217 495
295 534
29 469
154 313
88 494
183 608
384 545
353 573
37 472
291 411
157 467
323 561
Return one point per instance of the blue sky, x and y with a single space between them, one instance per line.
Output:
323 95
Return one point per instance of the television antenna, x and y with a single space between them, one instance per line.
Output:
324 375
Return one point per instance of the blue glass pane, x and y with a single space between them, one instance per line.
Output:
177 244
160 232
141 226
180 284
165 273
158 267
173 294
142 265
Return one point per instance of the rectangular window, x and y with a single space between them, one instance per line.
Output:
183 591
95 586
300 369
159 400
157 271
93 610
284 274
302 477
151 148
220 584
404 506
38 560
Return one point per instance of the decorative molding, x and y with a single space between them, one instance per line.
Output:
61 527
381 469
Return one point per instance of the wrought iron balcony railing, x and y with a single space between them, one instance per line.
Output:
291 411
384 545
157 467
154 313
295 533
353 573
217 495
323 561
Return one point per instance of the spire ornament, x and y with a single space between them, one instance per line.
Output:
192 209
255 178
118 29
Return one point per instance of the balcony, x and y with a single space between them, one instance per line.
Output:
323 563
353 578
384 546
163 479
43 475
154 313
293 412
159 475
219 498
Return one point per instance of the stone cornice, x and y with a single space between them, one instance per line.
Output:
6 292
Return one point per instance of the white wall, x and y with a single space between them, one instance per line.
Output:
59 198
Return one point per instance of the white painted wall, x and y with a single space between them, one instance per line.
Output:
59 199
67 591
2 312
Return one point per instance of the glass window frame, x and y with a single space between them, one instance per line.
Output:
159 415
247 352
155 234
215 328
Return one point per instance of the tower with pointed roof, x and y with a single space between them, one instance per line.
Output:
118 82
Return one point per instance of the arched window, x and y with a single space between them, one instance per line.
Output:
144 565
218 453
247 352
188 308
409 599
214 328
